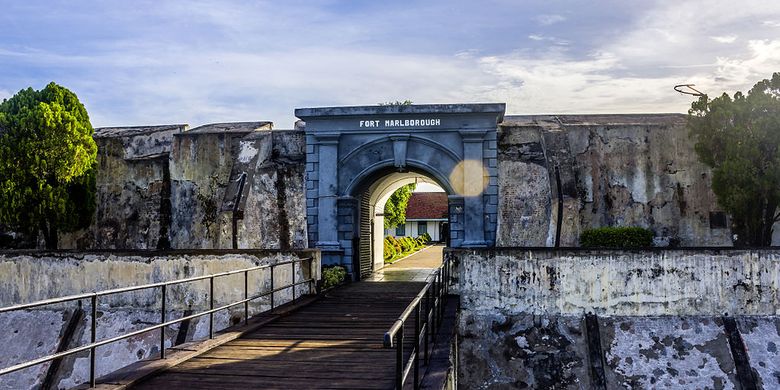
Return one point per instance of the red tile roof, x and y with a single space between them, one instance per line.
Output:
427 205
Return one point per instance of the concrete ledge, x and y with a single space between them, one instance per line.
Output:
712 281
155 253
401 109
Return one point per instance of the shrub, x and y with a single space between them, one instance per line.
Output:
617 237
423 239
389 250
333 276
396 244
406 246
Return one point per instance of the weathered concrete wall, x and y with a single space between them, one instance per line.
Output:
660 318
29 276
519 352
667 352
613 282
499 351
200 172
224 185
612 170
133 190
243 172
274 199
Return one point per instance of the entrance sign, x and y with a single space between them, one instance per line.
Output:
401 123
350 149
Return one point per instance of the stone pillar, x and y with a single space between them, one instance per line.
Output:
455 206
473 187
347 227
327 221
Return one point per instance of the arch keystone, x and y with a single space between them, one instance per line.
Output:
399 150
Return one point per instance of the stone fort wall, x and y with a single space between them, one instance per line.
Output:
243 185
603 170
236 185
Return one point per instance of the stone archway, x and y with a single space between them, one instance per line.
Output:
349 149
379 193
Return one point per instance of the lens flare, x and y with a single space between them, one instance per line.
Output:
469 178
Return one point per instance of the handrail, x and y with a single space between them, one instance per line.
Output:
425 328
75 297
163 324
388 339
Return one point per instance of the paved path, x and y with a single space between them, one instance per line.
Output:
416 267
333 343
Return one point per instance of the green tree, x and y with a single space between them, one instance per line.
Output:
739 138
47 163
395 208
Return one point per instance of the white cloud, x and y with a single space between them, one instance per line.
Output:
636 73
742 72
254 86
467 54
553 40
725 38
556 85
232 68
546 20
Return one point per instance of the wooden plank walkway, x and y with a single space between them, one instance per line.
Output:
334 343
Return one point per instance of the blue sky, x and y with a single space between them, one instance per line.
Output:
196 62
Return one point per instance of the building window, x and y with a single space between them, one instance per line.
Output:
400 230
422 228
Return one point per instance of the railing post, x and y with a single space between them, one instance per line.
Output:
427 323
399 358
293 281
312 283
449 275
272 286
446 278
432 311
211 307
246 296
439 309
93 338
416 349
162 321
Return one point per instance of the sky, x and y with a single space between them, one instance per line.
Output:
197 62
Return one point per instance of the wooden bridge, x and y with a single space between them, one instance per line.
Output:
333 343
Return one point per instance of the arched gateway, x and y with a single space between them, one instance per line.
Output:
357 156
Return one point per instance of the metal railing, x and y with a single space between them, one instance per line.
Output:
425 325
163 323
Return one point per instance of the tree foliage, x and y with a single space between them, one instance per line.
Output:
47 163
395 208
739 138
